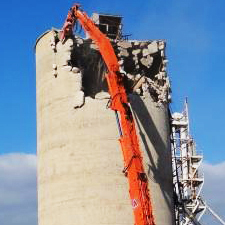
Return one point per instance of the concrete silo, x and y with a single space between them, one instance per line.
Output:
80 179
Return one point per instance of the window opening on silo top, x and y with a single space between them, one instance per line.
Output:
103 28
110 25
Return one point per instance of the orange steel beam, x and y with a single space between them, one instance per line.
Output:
133 163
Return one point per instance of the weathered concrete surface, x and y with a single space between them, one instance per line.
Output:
80 163
80 178
152 124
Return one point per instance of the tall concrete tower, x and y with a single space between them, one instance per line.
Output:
80 163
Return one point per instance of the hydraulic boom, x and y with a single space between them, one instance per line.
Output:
133 165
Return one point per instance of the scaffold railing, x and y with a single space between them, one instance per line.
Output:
187 179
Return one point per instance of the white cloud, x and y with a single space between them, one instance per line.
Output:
213 190
18 204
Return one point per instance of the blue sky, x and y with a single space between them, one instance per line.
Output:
194 31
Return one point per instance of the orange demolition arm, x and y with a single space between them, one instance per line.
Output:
134 169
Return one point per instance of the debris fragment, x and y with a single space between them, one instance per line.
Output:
145 52
78 99
124 44
102 95
124 52
136 51
153 47
75 70
67 68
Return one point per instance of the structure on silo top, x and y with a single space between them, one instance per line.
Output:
80 163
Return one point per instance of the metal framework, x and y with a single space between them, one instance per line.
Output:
187 179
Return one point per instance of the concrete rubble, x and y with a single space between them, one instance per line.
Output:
153 47
143 63
145 66
124 44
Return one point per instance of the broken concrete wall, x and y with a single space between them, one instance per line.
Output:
143 64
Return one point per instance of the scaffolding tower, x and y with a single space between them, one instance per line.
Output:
187 179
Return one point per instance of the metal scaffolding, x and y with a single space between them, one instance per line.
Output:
187 179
